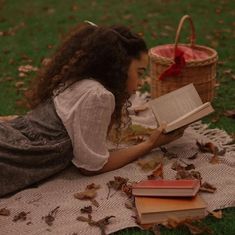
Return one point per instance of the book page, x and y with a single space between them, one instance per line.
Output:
175 104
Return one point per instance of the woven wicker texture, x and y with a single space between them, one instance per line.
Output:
200 71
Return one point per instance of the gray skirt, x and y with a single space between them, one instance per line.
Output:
32 148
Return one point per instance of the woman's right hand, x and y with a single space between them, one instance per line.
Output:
158 138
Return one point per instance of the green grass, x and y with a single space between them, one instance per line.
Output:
39 25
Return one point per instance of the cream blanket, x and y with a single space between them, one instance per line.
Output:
59 190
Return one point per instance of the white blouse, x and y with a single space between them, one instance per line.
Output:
85 109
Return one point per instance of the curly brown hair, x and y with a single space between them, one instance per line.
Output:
100 53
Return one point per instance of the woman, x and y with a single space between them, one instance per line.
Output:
75 99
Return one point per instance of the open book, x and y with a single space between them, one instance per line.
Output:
180 107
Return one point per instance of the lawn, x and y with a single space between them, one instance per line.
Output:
31 30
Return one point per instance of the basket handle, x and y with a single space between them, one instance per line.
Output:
192 36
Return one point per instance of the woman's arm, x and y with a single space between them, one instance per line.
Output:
122 157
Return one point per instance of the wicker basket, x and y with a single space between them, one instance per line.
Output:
200 72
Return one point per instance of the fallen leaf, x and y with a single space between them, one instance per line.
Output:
22 216
116 184
4 212
49 219
206 187
230 113
157 173
129 205
87 194
148 164
217 214
86 209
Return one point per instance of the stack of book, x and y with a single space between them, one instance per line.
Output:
157 201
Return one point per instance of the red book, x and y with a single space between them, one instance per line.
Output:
166 188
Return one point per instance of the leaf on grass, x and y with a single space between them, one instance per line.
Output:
217 214
206 187
4 212
49 219
22 216
230 113
157 173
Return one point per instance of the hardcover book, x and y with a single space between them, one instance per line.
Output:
157 210
180 107
166 188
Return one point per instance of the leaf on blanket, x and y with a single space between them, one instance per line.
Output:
127 189
129 205
217 214
176 166
188 166
193 225
93 186
49 219
87 194
194 156
206 187
94 202
157 173
86 209
183 174
196 230
168 154
148 164
116 184
102 223
5 212
22 216
210 148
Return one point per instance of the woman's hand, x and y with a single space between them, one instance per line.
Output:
158 138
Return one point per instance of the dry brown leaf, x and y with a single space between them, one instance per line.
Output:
86 209
206 187
183 174
148 164
168 154
129 205
22 216
127 189
49 219
87 194
230 113
157 173
4 212
94 202
217 214
93 186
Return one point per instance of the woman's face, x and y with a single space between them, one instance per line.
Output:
136 70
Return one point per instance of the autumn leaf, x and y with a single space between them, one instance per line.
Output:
22 216
230 113
217 214
183 174
86 209
148 164
168 154
4 212
49 219
157 173
87 194
116 184
206 187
